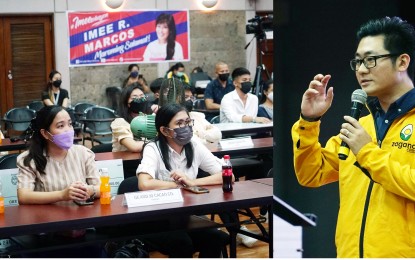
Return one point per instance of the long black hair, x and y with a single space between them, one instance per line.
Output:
266 86
163 117
171 39
123 110
43 120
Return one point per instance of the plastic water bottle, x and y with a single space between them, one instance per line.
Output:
105 188
1 198
227 174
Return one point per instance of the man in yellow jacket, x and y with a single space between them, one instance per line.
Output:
377 180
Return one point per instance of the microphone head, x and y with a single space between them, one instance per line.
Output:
359 96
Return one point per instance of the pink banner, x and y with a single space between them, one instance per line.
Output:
104 38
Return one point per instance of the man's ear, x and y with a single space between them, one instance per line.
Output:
403 62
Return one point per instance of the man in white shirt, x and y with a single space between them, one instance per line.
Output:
240 106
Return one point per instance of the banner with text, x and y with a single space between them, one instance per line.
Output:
106 38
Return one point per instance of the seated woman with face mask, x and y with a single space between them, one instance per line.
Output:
132 103
174 160
56 170
267 103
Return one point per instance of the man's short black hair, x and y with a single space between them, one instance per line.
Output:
156 84
239 72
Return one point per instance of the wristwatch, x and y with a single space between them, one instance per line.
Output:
92 197
254 119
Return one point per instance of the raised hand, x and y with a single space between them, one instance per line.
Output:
316 101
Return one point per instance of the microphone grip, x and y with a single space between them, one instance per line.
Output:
343 151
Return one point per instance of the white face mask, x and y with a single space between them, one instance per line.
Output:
271 96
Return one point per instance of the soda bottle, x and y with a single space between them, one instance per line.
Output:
1 198
227 174
105 188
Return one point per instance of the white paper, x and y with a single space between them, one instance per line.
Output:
8 178
153 197
115 171
233 143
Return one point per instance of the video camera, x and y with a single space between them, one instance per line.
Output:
259 24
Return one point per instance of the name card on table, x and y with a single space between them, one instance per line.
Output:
153 197
115 171
9 180
239 142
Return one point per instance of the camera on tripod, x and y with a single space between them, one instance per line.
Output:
259 24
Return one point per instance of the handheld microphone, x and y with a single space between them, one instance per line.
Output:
358 100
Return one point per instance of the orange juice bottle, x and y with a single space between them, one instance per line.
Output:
105 188
1 198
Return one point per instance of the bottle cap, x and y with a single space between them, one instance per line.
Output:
226 156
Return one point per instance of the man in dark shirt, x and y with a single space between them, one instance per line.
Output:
219 87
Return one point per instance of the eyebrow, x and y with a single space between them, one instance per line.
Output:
365 54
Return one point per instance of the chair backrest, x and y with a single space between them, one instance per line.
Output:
19 118
102 148
199 76
215 120
199 104
36 105
8 161
129 184
80 107
98 112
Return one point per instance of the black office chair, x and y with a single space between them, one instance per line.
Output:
102 148
215 120
18 119
35 105
77 125
199 104
79 109
198 82
129 184
8 161
97 123
113 96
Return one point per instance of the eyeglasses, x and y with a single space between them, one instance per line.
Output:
369 61
187 122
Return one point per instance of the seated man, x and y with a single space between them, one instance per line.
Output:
219 87
240 106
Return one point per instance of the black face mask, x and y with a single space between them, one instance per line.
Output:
57 83
134 74
188 104
139 105
246 87
223 77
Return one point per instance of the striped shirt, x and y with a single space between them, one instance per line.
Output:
78 165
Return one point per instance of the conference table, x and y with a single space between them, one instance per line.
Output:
232 129
23 221
260 145
131 160
8 145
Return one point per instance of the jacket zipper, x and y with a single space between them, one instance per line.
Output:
368 194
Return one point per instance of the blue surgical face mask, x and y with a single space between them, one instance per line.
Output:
134 74
179 74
